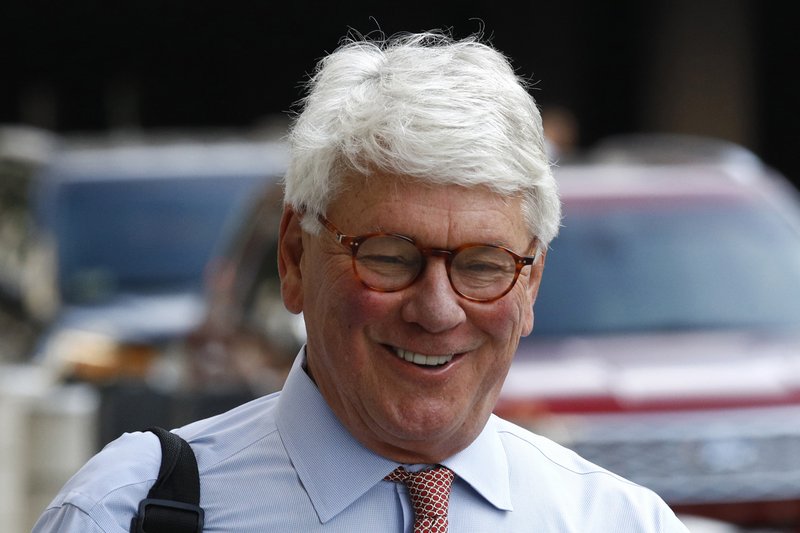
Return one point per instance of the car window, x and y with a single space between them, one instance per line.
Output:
143 235
669 266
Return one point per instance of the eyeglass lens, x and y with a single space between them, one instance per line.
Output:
389 263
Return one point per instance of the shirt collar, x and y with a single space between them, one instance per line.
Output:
322 450
323 463
484 466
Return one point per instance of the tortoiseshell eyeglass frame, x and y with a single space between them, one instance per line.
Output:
353 242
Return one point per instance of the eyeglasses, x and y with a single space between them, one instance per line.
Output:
388 262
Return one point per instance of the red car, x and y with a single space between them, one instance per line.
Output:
666 344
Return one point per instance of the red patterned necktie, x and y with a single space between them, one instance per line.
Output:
430 493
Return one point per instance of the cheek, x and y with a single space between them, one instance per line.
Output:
352 308
367 307
506 320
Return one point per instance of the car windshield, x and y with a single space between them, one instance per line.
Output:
669 266
141 236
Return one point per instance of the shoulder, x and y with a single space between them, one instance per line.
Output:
113 480
215 439
567 481
109 487
525 447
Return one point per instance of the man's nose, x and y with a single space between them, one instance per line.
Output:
431 301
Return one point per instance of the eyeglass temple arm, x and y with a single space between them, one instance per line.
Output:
537 251
338 235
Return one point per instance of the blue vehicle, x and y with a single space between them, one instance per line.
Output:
123 234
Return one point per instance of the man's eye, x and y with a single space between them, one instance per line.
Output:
481 266
387 264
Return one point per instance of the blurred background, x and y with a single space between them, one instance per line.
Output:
141 148
713 67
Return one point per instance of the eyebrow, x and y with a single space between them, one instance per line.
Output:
378 227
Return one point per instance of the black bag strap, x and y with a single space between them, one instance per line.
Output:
173 503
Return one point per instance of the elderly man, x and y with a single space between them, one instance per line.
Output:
418 209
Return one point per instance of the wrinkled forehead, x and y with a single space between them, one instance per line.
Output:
399 188
417 207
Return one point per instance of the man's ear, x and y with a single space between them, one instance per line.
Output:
290 255
532 289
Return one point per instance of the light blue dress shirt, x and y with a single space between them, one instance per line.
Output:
284 463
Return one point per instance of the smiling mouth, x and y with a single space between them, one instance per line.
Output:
421 359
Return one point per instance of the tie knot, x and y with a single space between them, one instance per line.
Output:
430 494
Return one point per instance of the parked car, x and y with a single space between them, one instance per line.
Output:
123 231
666 344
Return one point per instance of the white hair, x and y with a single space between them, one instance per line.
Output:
427 107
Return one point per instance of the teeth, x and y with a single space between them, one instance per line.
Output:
420 359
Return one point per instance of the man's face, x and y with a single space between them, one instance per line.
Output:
399 409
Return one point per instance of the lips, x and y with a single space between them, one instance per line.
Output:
422 359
